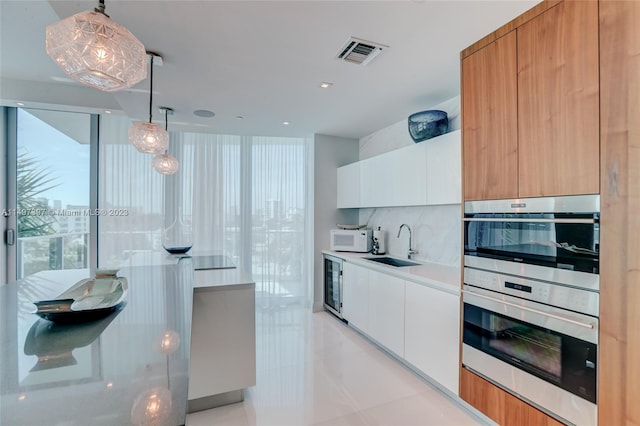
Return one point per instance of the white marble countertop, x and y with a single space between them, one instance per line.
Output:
113 371
442 277
131 367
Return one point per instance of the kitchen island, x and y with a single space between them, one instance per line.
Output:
132 367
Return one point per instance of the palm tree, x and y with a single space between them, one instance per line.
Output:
33 181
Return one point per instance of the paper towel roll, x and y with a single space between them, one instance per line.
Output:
379 236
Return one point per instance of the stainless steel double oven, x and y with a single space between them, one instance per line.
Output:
531 300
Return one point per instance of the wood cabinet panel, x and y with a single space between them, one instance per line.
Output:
619 345
489 121
500 406
558 101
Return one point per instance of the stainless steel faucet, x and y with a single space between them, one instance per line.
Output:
411 251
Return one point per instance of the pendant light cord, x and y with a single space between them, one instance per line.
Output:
100 8
166 125
151 88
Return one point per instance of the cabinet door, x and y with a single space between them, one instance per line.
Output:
444 169
558 101
348 191
432 331
386 311
355 298
396 178
489 114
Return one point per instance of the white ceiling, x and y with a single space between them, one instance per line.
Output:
263 60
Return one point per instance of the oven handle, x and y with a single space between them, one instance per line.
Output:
494 219
535 311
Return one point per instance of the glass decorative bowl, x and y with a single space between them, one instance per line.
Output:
428 124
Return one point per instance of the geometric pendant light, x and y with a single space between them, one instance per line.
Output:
97 52
165 164
149 138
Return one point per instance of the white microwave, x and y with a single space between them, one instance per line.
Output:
357 240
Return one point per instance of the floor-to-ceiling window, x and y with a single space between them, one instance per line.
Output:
49 208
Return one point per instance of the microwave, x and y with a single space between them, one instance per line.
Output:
356 240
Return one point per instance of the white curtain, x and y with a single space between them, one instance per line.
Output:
244 196
248 201
131 195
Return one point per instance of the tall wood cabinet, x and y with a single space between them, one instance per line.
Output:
558 116
530 107
489 111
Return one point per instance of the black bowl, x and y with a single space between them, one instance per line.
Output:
428 124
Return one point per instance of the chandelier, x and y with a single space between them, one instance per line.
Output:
149 138
95 51
165 164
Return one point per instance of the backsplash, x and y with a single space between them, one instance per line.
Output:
435 230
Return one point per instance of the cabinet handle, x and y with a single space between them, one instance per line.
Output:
535 311
499 219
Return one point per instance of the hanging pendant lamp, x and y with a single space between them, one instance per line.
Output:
97 52
165 164
149 138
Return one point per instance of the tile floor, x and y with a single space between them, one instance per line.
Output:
314 370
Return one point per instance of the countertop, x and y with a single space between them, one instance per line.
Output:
114 371
436 275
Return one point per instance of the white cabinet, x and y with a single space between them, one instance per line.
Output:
432 333
396 178
444 170
348 191
386 311
421 174
355 296
223 344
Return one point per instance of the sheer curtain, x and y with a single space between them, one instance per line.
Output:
250 203
131 195
245 197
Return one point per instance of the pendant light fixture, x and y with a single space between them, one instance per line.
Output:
149 138
97 52
165 164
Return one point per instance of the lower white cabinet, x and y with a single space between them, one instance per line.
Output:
418 323
355 296
386 311
432 332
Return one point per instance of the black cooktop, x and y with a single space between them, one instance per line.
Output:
212 262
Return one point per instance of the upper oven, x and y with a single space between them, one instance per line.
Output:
553 238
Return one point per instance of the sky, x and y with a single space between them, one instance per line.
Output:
65 159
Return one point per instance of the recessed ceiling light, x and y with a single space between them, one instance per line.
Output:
325 85
20 103
285 123
106 111
204 113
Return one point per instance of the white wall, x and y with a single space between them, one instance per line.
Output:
436 230
329 154
3 195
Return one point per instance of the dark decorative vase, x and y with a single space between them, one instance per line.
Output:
428 124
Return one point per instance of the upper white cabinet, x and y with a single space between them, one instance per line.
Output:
444 169
425 173
349 186
396 178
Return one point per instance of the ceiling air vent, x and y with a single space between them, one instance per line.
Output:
358 51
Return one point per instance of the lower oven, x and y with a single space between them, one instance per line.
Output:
516 336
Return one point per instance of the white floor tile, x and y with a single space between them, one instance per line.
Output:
313 369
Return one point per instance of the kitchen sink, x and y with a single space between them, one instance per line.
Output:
391 261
